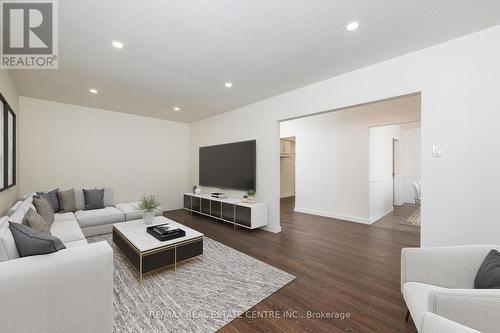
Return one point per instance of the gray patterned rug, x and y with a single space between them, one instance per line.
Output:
201 296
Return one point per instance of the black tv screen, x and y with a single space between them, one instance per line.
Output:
229 165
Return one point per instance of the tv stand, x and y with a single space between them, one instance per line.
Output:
230 210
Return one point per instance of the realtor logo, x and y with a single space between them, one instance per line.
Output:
29 34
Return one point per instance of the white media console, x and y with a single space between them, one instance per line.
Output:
231 210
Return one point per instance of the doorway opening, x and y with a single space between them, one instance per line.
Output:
353 164
287 170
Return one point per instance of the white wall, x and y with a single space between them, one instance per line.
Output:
410 162
332 157
69 146
9 91
380 180
459 82
287 174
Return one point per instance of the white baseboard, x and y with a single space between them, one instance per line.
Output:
273 229
288 195
169 208
349 218
379 216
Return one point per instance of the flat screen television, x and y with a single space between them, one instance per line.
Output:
229 165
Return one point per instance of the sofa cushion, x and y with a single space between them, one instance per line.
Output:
51 197
30 242
67 201
94 199
107 215
132 211
35 221
76 243
44 208
416 296
64 216
67 230
8 249
80 201
14 208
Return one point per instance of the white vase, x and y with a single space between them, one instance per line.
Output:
148 216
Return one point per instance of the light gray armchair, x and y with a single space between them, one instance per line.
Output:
433 323
440 280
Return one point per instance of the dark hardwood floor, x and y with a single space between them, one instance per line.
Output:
340 267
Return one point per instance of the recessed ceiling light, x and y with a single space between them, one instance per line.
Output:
177 109
117 44
93 91
352 26
228 84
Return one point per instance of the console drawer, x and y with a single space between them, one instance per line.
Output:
228 212
243 215
196 204
205 206
216 210
187 201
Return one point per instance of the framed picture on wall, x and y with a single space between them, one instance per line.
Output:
2 122
7 145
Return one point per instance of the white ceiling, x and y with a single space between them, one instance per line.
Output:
180 53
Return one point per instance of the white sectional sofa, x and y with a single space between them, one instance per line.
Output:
98 221
75 283
440 280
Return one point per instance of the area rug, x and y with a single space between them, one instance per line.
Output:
202 295
414 219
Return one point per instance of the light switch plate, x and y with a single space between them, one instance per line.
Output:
437 151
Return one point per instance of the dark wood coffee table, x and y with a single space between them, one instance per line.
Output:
147 254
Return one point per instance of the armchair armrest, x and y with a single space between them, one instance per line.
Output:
449 267
67 291
433 323
475 308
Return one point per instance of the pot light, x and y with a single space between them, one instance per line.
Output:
228 84
352 26
177 109
117 44
93 91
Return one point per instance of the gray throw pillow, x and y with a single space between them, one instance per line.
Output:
66 201
30 242
94 199
35 221
43 208
488 275
51 197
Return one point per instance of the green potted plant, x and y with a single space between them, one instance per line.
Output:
148 203
250 196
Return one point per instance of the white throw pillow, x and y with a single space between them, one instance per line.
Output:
14 208
19 214
8 249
